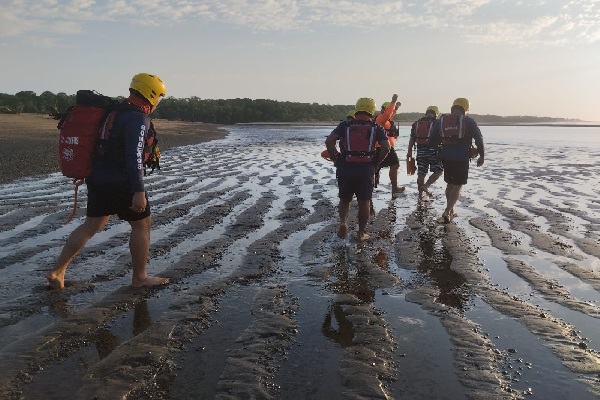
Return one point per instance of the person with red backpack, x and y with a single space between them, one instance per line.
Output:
116 183
427 155
356 162
455 132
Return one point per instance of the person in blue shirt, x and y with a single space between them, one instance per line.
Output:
116 185
356 162
455 132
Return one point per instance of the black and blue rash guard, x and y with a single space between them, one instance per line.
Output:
125 159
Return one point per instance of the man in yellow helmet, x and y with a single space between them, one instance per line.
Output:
427 154
455 132
116 185
356 162
386 119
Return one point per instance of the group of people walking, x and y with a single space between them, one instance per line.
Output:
367 144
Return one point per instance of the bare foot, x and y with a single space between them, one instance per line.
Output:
55 280
149 280
399 189
342 231
363 237
444 219
426 190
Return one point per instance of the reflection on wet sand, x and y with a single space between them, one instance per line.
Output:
435 263
106 341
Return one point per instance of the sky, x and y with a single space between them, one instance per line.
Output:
508 57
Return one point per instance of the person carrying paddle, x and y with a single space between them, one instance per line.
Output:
386 119
116 185
356 162
455 132
427 155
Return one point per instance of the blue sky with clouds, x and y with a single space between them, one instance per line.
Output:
507 57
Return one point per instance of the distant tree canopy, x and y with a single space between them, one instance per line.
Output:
229 111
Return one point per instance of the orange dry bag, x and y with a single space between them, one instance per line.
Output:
411 166
325 155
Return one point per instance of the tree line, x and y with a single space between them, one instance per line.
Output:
231 111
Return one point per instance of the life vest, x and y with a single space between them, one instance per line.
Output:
359 143
452 128
423 130
151 149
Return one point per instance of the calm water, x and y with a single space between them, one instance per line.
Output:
535 136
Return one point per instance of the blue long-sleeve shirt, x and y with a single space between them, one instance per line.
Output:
458 151
124 162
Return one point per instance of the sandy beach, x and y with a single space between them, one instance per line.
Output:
26 137
265 302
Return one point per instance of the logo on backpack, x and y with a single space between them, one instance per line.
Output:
452 128
359 143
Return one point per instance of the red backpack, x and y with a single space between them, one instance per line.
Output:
80 129
359 143
423 131
452 128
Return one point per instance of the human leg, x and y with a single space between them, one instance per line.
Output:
420 183
432 178
363 219
452 195
343 209
139 247
456 174
394 179
77 239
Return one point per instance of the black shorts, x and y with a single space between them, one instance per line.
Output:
361 185
113 199
456 172
390 159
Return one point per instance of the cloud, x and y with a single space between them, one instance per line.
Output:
478 21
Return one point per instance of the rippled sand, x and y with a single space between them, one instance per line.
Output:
266 302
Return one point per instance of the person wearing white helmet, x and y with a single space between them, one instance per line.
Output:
455 132
356 161
116 184
427 154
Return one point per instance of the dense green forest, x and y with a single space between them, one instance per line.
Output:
231 111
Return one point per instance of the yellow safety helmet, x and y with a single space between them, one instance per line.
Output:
433 109
365 104
462 102
150 86
385 105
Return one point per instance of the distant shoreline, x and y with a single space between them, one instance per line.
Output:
407 123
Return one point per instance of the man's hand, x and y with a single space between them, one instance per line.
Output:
138 203
480 161
394 98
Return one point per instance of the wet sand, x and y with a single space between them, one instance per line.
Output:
265 302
